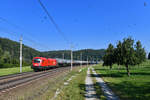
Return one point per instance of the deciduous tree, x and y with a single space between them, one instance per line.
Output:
128 53
140 53
118 54
108 58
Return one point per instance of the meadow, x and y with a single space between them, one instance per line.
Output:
14 70
135 87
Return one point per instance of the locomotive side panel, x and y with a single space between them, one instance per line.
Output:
41 63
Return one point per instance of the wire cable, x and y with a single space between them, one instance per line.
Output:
21 29
53 22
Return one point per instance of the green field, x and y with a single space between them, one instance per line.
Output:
135 87
14 70
75 90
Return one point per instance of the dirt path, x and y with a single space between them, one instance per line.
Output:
90 91
107 91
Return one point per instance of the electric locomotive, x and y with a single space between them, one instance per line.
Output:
41 63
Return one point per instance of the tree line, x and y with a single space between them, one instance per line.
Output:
93 55
9 54
125 53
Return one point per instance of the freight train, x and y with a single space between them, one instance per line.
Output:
41 63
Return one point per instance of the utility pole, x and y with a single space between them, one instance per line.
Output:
21 54
71 57
87 61
63 56
81 59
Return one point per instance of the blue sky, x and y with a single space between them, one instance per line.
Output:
85 23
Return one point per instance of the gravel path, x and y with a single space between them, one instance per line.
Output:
107 91
90 91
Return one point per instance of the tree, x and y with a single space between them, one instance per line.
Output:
118 54
140 53
149 56
108 57
128 52
6 57
125 54
1 51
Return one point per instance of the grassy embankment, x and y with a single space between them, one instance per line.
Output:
14 70
75 90
135 87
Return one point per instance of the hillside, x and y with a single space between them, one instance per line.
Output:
92 54
9 53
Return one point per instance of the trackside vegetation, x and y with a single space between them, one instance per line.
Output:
75 90
135 87
14 70
126 53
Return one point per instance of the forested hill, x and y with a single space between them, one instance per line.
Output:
90 53
9 53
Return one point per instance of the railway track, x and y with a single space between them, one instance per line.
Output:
8 82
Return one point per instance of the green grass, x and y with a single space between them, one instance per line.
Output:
75 90
14 70
59 84
135 87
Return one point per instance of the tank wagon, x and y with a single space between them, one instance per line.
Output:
41 63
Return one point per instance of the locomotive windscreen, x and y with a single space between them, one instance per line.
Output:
37 60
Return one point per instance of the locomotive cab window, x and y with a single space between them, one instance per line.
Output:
37 60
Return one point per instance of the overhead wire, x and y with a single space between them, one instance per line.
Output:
21 29
54 23
32 44
51 19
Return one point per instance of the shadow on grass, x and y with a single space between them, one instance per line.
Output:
107 75
140 73
82 87
131 91
116 73
101 69
120 74
124 68
106 69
